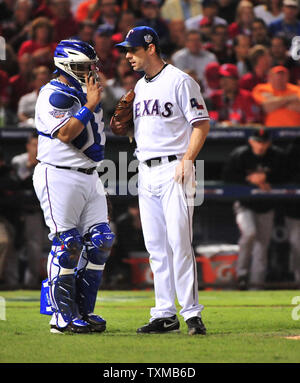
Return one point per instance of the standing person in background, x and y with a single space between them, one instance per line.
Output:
169 132
71 145
259 164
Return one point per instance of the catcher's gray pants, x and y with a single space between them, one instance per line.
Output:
256 230
293 226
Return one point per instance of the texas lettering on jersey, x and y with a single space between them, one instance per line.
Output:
152 108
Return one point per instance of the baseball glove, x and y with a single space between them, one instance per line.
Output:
121 122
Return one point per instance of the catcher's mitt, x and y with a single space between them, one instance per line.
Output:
121 122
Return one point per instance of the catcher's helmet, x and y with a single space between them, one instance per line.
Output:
75 58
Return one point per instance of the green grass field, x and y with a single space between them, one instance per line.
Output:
243 327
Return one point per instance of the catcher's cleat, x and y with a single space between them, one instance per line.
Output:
196 326
77 326
96 323
160 325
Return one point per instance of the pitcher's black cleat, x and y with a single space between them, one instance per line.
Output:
160 325
196 326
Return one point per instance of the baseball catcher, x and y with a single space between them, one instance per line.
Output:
121 122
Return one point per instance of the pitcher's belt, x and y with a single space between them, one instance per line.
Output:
158 160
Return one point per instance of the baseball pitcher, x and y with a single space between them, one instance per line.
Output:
170 126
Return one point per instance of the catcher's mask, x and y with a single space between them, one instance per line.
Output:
74 59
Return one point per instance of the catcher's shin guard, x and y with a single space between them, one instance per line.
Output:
63 259
98 243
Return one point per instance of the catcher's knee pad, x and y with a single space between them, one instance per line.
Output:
99 241
71 244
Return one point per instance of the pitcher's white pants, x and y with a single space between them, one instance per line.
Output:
167 228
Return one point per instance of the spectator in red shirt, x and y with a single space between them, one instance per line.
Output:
260 61
64 22
20 83
231 105
41 45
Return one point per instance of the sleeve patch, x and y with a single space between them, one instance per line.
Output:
58 113
195 104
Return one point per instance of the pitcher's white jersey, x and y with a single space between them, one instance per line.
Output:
56 104
164 110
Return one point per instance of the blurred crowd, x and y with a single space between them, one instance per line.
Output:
244 54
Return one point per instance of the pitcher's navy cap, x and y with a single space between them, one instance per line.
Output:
139 37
